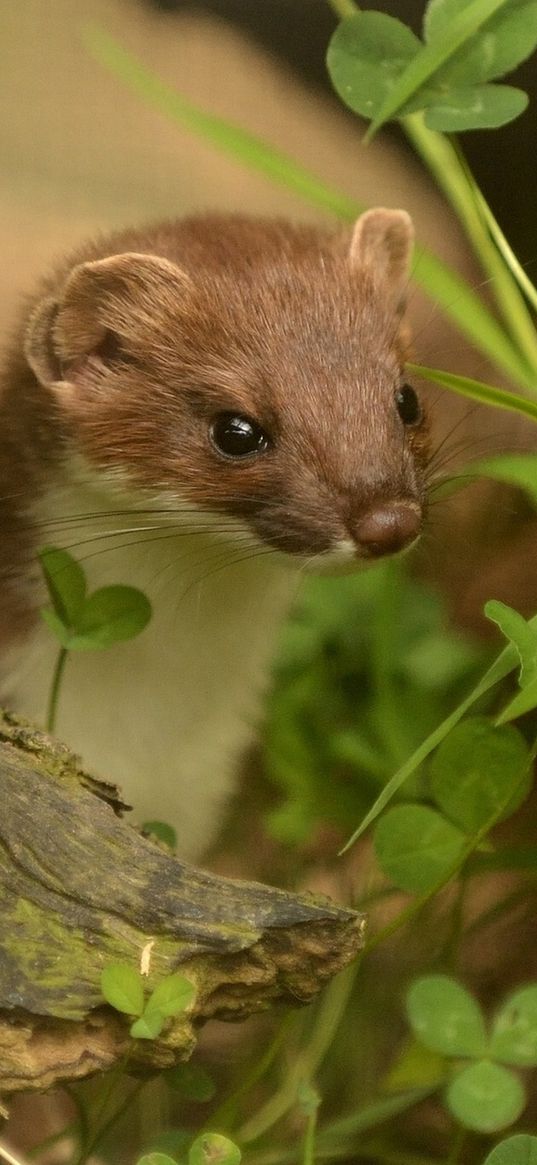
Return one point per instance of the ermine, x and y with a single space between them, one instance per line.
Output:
204 409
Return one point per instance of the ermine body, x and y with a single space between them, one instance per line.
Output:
203 410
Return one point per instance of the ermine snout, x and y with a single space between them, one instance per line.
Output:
387 528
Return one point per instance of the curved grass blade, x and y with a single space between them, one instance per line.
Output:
444 286
499 398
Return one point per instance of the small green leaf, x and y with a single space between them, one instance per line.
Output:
514 1035
162 831
366 56
156 1159
148 1026
480 772
110 615
214 1149
66 583
416 847
445 1017
172 996
475 107
523 702
518 1150
505 40
123 987
434 57
62 633
173 1142
192 1081
518 631
485 1097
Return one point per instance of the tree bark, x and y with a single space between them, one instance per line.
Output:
80 888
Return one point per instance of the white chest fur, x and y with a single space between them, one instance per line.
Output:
166 715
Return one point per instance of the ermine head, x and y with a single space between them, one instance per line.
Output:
250 368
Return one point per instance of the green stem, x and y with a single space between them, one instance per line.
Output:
306 1063
100 1133
526 286
308 1156
344 8
448 167
55 689
224 1115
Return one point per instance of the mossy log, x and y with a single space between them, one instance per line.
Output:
80 888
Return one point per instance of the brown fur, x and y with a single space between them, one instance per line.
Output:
133 356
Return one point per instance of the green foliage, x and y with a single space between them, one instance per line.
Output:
84 622
214 1149
366 668
124 988
372 692
483 393
517 631
162 832
457 299
381 70
485 1097
514 1034
518 1150
479 775
519 469
482 1095
445 1017
523 635
156 1159
416 847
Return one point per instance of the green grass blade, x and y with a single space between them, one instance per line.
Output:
471 316
231 139
447 288
524 282
450 170
433 56
477 390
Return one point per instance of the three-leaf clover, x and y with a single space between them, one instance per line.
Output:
479 774
124 987
483 1093
83 622
382 70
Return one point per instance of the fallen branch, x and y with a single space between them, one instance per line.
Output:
80 888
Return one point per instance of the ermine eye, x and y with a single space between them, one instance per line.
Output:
408 405
235 435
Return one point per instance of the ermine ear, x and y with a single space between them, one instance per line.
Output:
101 303
382 244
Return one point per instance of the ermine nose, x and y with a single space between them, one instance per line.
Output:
387 528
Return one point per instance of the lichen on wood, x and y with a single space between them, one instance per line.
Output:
80 888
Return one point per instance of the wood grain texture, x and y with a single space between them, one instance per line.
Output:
80 888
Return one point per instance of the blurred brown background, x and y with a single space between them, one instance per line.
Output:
81 155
